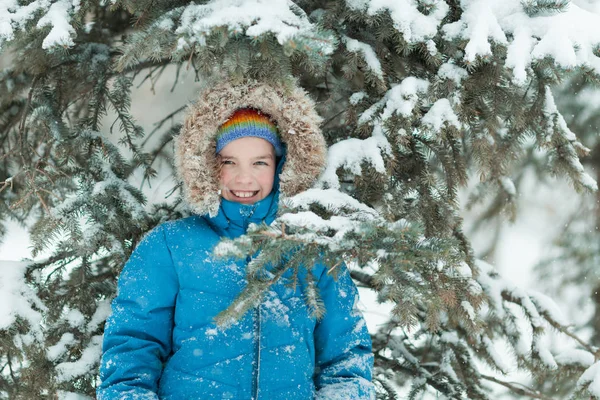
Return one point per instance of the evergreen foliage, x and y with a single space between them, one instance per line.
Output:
416 97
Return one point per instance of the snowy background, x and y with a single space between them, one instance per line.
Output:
542 208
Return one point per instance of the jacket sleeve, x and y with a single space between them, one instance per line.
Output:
137 336
344 360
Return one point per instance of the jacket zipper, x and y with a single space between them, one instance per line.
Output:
256 382
256 375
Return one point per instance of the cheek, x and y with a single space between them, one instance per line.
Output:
266 179
224 176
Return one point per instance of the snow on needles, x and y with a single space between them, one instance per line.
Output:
568 37
441 112
401 99
555 120
350 154
414 25
368 54
331 200
534 305
84 365
591 379
17 299
57 15
281 17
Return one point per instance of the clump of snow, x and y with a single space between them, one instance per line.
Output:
545 355
351 153
555 121
75 318
368 54
464 270
469 309
523 345
53 353
102 312
508 185
86 363
449 337
357 97
551 113
312 221
478 24
13 15
591 379
452 72
330 199
17 299
568 37
518 56
494 355
575 357
211 332
401 99
227 248
284 19
58 15
408 20
62 395
439 114
431 47
546 305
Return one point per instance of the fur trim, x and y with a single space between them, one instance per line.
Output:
290 108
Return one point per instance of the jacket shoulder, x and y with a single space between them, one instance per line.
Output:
193 229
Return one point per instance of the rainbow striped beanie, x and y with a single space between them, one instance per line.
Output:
248 122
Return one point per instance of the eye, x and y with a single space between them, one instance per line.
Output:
261 163
226 162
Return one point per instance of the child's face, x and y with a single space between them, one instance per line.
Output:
247 170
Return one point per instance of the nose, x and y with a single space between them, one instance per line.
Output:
243 177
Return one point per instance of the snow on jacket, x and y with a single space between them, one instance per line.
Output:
161 341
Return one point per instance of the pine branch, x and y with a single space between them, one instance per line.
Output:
557 325
518 388
535 8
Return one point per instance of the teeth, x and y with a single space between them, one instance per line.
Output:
244 194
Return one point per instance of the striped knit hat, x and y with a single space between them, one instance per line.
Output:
248 122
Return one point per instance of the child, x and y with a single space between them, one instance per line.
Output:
161 341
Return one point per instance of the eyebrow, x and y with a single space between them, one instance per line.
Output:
266 156
269 156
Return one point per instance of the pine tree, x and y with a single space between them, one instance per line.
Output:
416 96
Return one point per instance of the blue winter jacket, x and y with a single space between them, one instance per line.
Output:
161 342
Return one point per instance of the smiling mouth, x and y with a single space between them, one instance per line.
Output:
244 194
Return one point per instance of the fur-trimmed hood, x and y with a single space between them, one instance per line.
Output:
289 107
